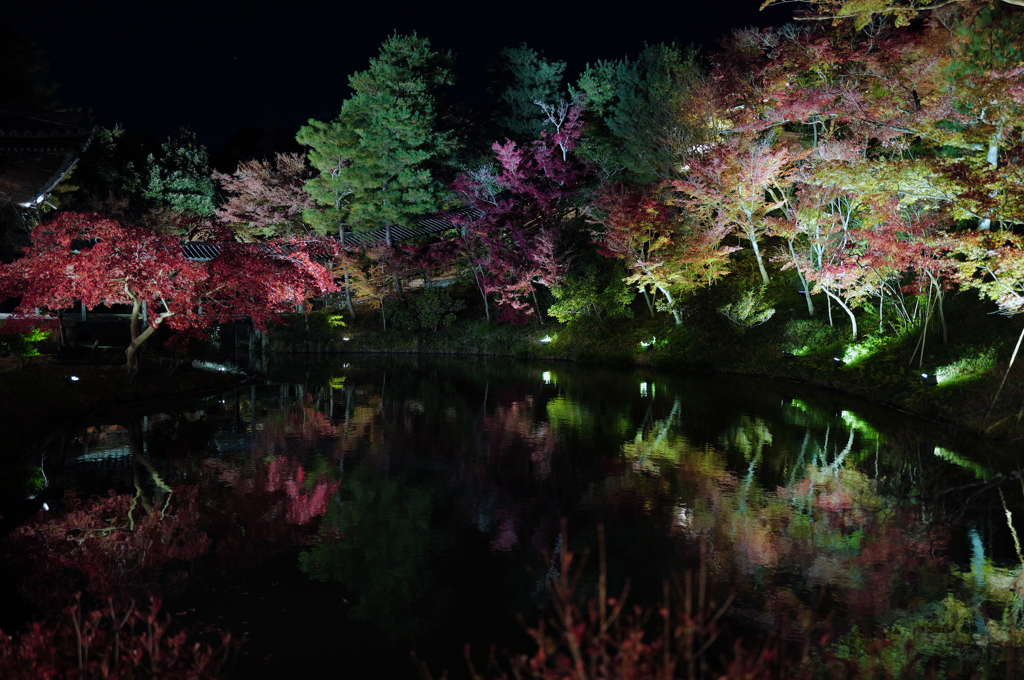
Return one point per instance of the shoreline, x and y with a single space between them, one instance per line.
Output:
38 400
929 401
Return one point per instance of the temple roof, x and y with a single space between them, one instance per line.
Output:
37 150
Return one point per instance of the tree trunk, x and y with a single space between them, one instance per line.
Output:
536 305
803 280
942 312
387 234
1006 375
647 299
992 157
924 330
348 297
671 305
849 312
483 293
348 291
881 303
757 254
132 355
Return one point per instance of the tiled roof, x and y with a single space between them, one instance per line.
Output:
199 250
37 150
427 225
204 250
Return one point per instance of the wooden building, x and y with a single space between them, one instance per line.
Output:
37 150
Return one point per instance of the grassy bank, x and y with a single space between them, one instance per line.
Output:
968 367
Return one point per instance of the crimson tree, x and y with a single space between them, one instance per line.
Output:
91 258
521 205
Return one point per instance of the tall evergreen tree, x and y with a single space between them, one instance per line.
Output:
374 158
645 116
180 176
521 78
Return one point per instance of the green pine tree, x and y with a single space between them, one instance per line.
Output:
180 177
642 114
522 78
374 158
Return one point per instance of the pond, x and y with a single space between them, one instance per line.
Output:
345 512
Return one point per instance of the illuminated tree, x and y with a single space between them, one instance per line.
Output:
373 159
376 280
931 116
730 185
674 256
522 204
646 116
862 14
522 78
180 176
93 259
266 201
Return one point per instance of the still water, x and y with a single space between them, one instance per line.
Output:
342 513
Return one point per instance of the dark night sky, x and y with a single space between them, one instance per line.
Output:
221 66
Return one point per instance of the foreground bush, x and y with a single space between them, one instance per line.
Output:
137 643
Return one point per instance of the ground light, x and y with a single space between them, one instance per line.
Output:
546 339
854 353
929 379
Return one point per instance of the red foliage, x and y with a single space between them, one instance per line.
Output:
107 643
267 201
523 203
113 547
300 506
92 258
658 248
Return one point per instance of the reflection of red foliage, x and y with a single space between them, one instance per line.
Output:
105 644
273 507
301 507
114 544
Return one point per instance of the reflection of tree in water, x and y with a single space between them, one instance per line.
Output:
146 542
179 436
383 552
747 435
850 523
119 546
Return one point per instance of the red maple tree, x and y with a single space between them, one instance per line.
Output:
92 258
522 204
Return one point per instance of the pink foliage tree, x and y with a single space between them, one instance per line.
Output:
522 204
267 201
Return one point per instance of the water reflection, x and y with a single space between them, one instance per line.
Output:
428 488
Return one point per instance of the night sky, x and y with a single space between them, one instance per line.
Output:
218 67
